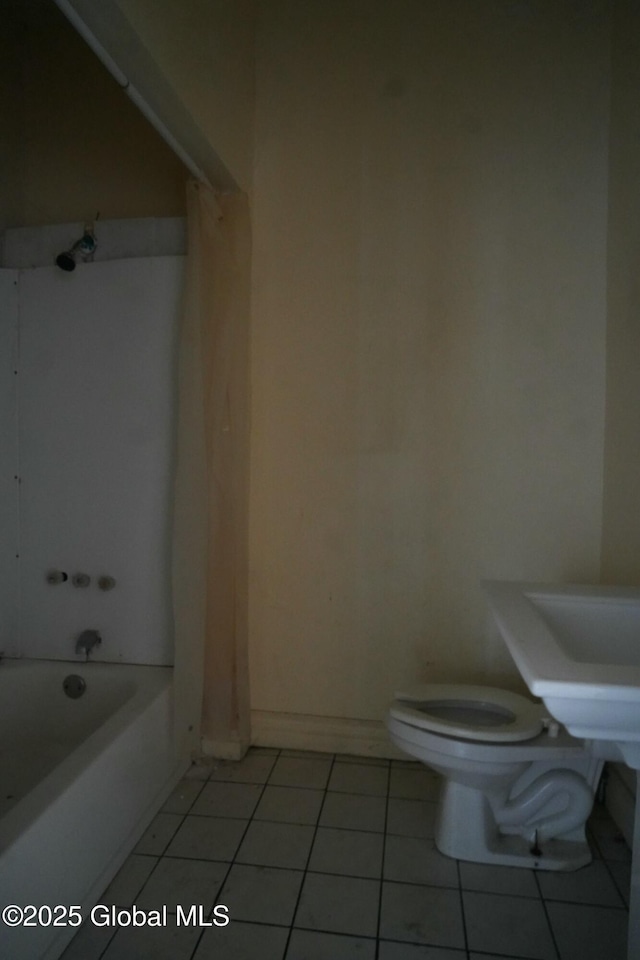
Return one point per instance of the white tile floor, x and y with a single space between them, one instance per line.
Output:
322 857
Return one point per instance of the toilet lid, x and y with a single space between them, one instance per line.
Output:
469 713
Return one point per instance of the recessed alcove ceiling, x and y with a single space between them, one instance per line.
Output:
109 31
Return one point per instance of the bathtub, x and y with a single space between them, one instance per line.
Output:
81 779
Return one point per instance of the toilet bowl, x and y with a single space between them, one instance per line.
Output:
517 788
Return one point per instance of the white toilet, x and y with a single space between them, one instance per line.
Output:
517 787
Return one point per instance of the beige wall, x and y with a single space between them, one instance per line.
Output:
429 305
11 117
621 515
80 146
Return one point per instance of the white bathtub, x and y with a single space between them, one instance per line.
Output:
79 782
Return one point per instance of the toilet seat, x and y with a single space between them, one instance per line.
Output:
469 712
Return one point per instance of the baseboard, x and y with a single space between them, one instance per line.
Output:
298 731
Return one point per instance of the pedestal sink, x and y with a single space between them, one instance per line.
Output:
578 649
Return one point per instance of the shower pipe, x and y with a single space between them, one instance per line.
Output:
133 94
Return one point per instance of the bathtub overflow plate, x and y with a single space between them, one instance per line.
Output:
74 686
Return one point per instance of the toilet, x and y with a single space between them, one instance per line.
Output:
517 787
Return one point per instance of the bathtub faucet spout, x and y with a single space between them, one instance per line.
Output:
87 640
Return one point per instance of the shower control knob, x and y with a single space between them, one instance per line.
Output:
55 577
106 583
81 579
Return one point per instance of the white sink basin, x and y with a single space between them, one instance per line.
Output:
578 649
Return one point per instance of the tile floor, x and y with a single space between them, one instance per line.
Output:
322 857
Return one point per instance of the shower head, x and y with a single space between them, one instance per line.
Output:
85 246
66 261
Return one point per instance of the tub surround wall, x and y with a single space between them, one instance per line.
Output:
9 582
97 392
96 398
428 342
27 247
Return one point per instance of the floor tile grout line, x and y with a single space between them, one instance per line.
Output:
218 890
612 877
293 823
622 907
326 791
183 817
250 820
309 855
547 917
233 861
482 954
460 886
107 945
384 847
404 943
390 833
159 857
593 840
467 948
